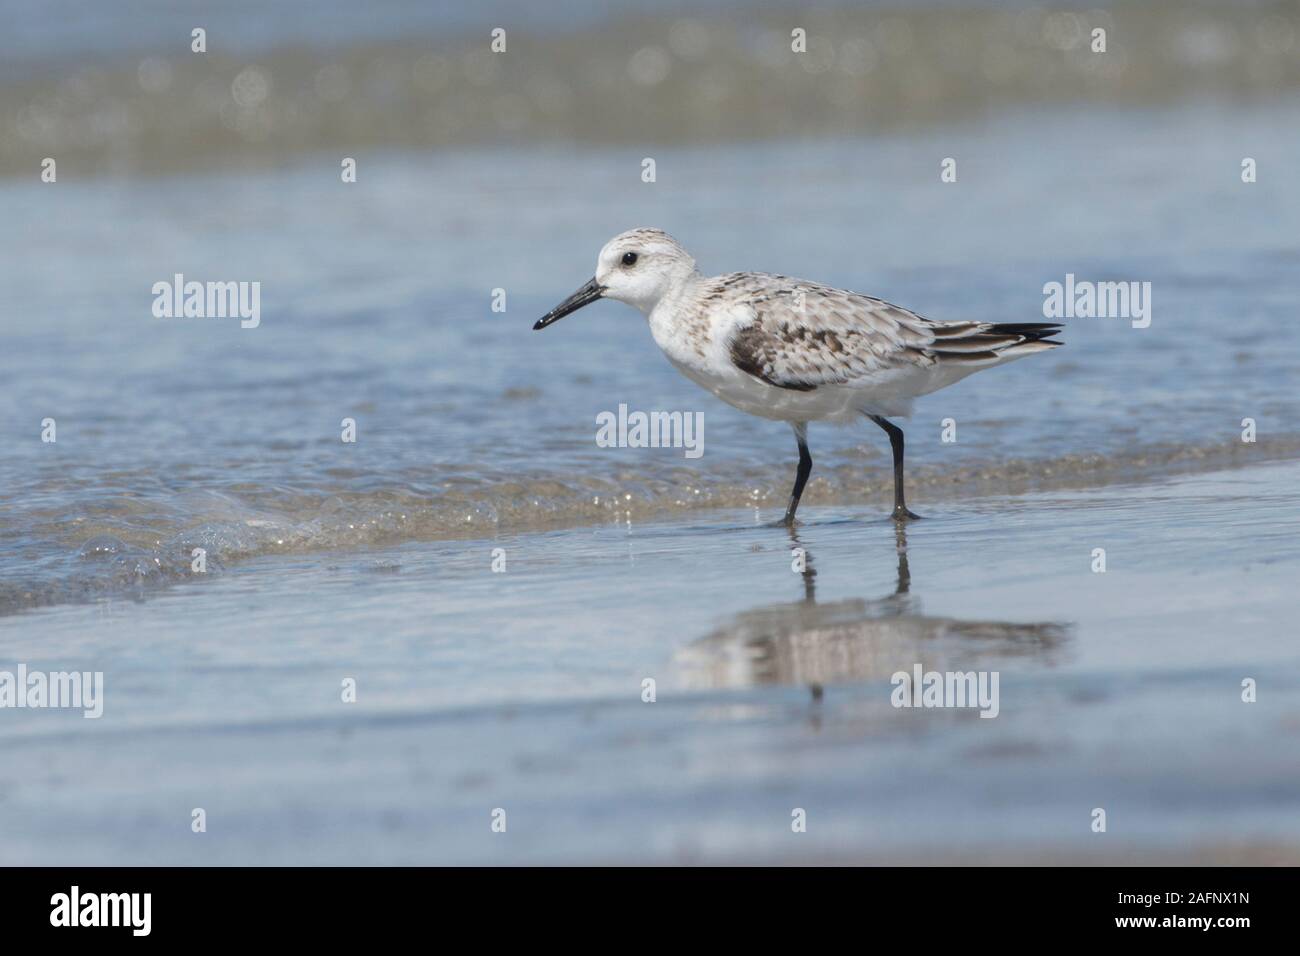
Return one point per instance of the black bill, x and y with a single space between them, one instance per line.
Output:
588 294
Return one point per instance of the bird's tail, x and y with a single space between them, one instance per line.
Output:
984 343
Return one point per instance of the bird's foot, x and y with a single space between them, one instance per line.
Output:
901 514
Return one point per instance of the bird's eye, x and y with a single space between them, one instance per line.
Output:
629 258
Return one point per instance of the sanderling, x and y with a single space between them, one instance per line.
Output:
796 351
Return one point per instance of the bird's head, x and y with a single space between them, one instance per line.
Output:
638 267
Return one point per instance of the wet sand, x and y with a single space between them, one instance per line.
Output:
522 690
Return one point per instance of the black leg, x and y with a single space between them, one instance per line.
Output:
896 443
801 475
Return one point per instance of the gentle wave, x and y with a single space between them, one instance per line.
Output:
105 556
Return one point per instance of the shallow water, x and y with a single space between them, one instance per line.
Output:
376 305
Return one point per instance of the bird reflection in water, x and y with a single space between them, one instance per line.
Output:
813 644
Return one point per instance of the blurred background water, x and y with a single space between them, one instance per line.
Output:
480 171
117 88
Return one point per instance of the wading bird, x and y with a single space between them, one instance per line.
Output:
796 351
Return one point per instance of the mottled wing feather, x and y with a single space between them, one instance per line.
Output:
804 335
